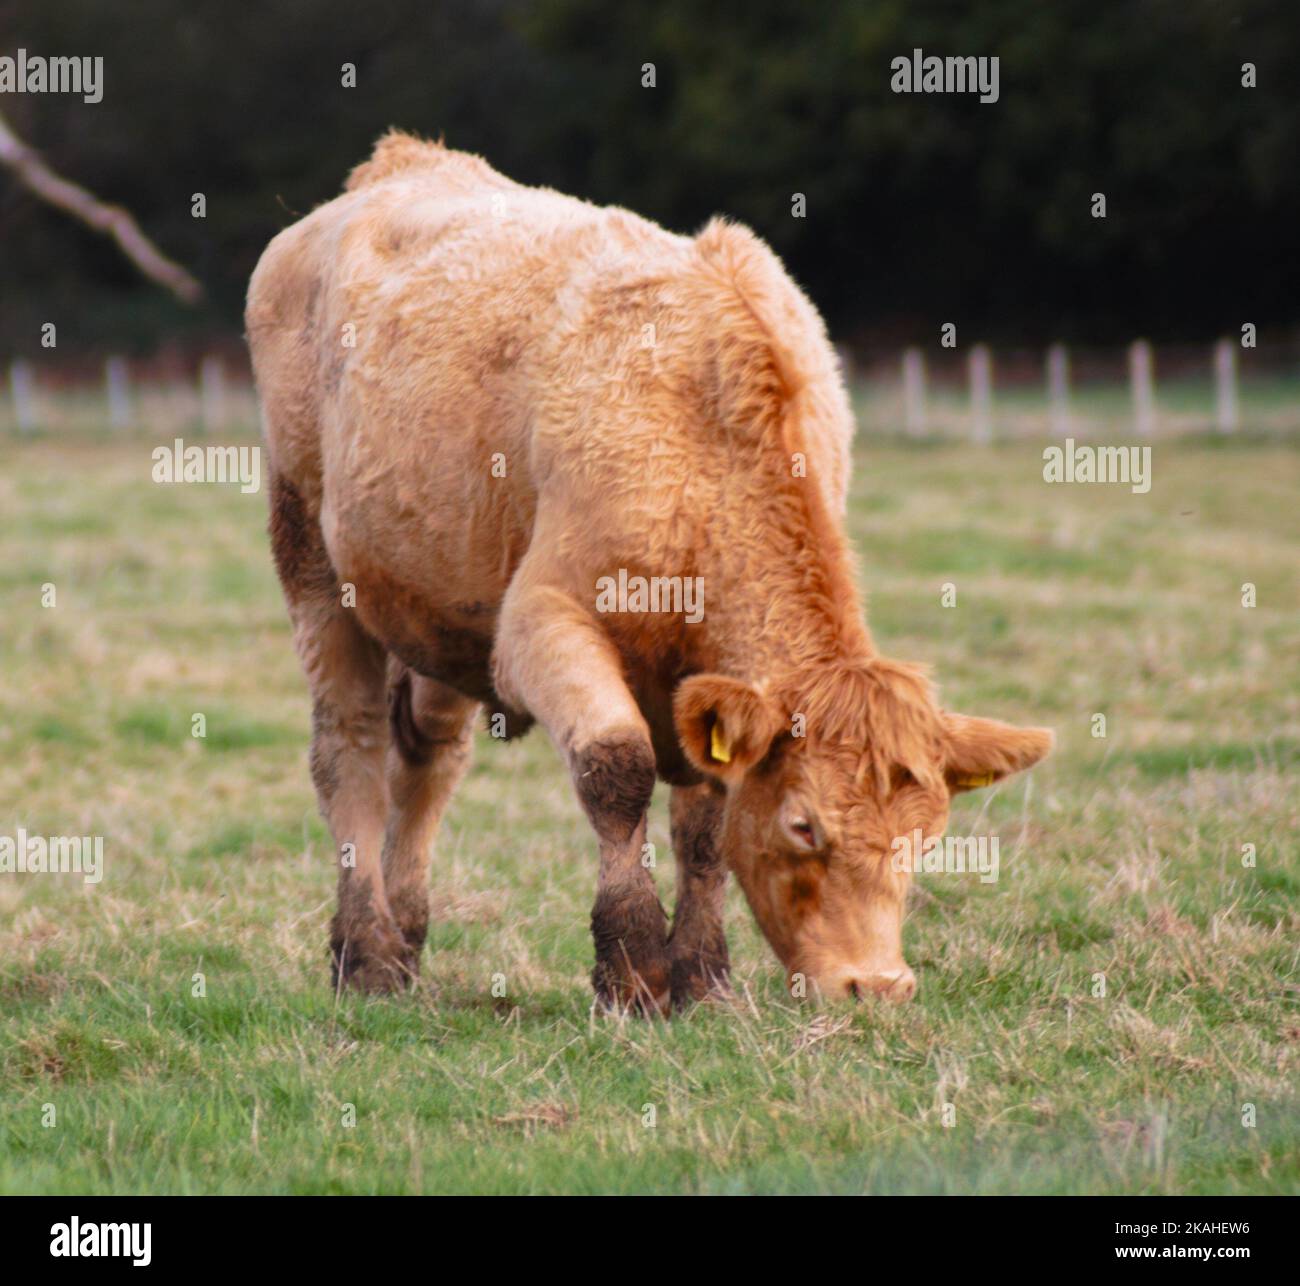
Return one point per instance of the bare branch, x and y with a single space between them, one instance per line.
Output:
33 173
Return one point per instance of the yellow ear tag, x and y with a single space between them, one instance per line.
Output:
718 747
975 781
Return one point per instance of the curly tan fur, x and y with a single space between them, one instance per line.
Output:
480 399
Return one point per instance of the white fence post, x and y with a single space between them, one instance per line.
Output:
212 393
914 392
22 389
848 370
1143 381
119 392
1058 390
981 394
1225 386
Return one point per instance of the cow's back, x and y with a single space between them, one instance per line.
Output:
443 355
406 339
404 309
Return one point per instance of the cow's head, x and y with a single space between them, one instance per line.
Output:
810 820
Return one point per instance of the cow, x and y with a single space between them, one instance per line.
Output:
486 404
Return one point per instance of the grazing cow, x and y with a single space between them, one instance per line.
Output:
502 424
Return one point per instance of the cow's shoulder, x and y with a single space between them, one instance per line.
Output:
775 373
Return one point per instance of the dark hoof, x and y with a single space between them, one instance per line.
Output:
625 990
632 970
376 964
702 974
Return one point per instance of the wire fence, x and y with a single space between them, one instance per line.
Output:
980 395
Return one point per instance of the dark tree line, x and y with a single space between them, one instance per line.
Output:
919 208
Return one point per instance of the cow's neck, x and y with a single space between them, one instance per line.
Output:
783 603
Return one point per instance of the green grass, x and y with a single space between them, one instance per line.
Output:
1120 857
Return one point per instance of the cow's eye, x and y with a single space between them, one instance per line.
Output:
802 831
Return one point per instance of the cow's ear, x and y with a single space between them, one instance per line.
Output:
978 752
725 726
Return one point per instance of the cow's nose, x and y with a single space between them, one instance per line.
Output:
891 984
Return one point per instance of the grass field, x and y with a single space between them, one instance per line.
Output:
1121 856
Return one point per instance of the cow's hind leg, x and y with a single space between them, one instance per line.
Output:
698 945
432 730
552 661
345 671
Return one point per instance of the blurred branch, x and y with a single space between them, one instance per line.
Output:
33 173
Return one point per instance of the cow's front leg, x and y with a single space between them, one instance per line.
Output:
614 776
554 661
697 945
